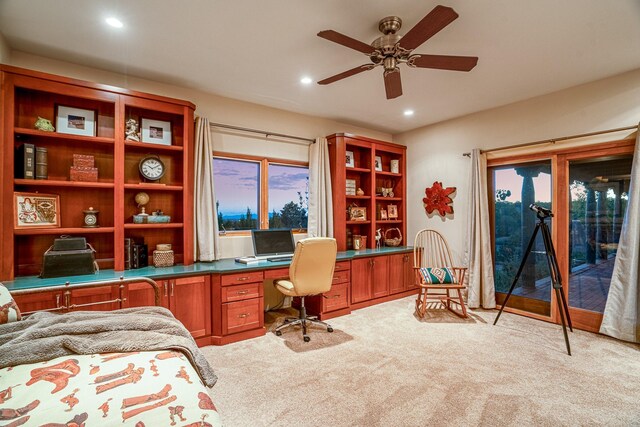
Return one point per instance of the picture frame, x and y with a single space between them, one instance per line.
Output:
350 161
156 131
357 213
378 164
393 211
383 214
36 210
75 121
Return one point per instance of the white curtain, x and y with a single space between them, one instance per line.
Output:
207 246
623 303
320 196
481 286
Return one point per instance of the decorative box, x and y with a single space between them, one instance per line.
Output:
151 219
83 174
83 161
163 258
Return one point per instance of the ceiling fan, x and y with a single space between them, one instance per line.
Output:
392 49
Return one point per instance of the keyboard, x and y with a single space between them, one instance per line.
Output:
278 259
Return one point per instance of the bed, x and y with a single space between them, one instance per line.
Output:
130 367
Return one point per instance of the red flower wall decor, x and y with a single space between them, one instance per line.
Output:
438 199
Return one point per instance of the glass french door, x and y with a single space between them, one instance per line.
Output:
587 190
598 196
515 188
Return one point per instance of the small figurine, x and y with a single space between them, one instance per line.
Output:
131 131
44 125
360 192
378 238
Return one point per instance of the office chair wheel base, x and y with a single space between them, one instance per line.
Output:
329 329
306 338
278 333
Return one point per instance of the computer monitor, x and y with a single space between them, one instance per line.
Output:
272 242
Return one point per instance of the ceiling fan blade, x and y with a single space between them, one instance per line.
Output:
347 41
436 20
392 83
346 74
443 62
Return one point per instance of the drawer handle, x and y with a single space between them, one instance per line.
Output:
243 315
242 279
243 292
332 296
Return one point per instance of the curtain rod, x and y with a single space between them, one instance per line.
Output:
265 133
554 140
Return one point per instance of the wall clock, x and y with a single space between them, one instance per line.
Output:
151 167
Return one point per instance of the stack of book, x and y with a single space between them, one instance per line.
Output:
351 187
31 162
83 168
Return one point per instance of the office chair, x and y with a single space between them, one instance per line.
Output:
310 273
433 266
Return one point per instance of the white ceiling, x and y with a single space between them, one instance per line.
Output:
257 50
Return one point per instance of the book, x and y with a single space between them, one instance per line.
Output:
25 161
41 163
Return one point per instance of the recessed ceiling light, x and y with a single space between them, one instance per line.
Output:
408 113
306 80
114 22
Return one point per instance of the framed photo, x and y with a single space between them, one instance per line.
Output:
383 214
156 132
75 121
350 160
357 214
393 211
36 210
378 163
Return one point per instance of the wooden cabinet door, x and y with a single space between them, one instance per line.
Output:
39 301
190 302
361 280
142 295
380 276
397 273
95 299
409 273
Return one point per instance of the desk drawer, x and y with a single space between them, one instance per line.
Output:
240 278
242 292
336 298
242 315
343 265
276 273
341 276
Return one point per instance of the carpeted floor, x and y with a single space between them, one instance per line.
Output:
384 367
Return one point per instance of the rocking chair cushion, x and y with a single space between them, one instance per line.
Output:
438 275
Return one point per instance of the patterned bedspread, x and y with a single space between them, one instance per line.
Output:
149 388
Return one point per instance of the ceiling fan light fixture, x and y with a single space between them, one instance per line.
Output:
408 113
306 80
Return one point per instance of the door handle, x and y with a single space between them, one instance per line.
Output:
173 284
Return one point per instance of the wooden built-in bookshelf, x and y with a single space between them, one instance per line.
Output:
27 95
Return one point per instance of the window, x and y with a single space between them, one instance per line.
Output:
237 193
260 193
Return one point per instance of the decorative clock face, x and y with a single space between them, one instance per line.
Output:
151 168
90 219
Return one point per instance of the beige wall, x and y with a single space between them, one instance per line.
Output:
435 152
5 51
220 110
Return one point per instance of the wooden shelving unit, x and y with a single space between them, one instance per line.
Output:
27 95
365 152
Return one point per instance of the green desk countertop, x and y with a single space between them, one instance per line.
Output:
226 265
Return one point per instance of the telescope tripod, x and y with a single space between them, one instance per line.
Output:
554 272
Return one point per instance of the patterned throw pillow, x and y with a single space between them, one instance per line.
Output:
438 276
9 311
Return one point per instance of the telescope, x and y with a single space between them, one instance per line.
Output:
540 211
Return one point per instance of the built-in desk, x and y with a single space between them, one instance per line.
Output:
223 301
